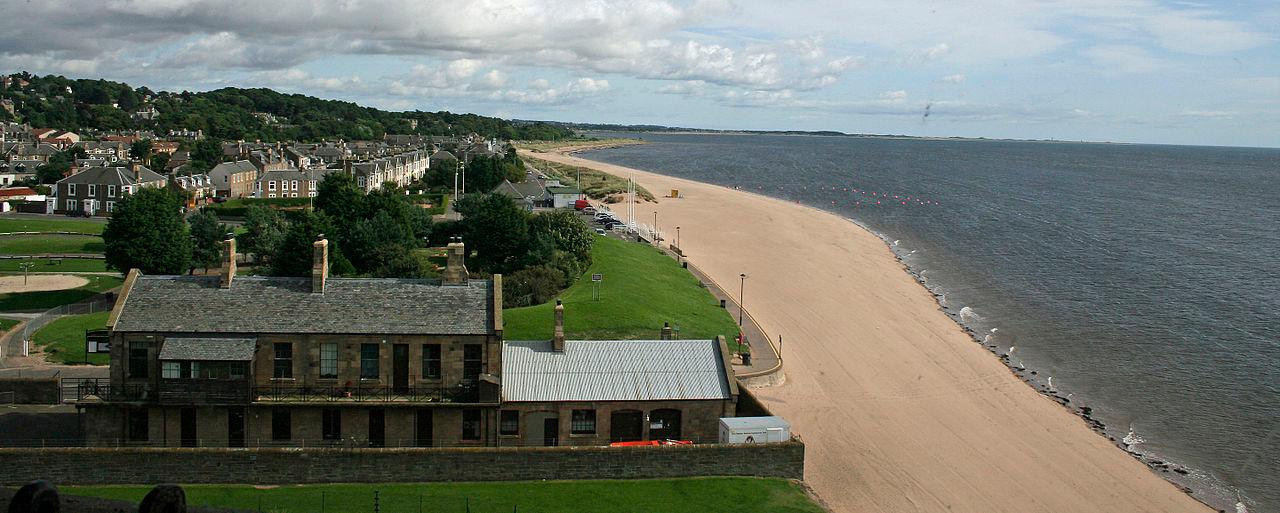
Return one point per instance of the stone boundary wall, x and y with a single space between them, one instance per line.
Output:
30 390
85 466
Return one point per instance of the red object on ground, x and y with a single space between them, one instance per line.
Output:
641 443
581 204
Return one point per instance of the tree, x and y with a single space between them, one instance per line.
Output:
497 229
207 235
159 161
146 232
565 230
141 149
264 230
532 286
207 151
294 255
373 241
338 196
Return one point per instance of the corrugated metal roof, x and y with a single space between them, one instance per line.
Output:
613 370
207 349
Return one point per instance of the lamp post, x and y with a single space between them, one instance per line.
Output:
679 248
742 290
655 229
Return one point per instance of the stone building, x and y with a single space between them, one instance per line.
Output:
275 361
94 191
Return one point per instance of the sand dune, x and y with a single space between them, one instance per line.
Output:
900 409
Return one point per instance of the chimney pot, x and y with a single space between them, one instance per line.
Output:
228 261
557 340
319 264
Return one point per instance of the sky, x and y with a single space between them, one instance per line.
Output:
1175 72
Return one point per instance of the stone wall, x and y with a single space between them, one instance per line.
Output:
67 466
31 390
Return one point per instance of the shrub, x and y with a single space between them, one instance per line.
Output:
531 286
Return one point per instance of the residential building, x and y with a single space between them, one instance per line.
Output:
401 169
242 361
289 183
110 151
563 197
95 190
233 179
196 189
532 193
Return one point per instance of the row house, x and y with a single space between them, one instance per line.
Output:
95 190
236 361
401 169
15 132
236 179
107 150
196 189
289 183
28 152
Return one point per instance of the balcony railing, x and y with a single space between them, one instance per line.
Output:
365 393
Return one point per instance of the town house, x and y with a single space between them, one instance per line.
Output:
234 179
95 190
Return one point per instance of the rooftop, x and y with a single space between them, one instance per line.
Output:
259 304
614 370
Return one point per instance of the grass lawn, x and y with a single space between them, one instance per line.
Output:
65 265
63 339
738 494
22 301
7 324
51 224
642 288
40 244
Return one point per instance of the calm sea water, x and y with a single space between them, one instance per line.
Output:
1145 280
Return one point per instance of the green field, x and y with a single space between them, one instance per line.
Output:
7 324
42 244
694 495
44 300
63 265
642 288
51 224
64 339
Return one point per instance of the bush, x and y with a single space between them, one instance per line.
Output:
531 286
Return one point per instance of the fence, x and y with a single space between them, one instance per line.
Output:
99 303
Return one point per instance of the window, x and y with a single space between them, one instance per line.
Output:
329 360
295 185
71 205
283 368
272 195
271 185
471 361
470 424
138 352
509 424
71 189
583 422
368 361
431 361
111 191
111 205
281 425
93 189
171 370
138 425
331 424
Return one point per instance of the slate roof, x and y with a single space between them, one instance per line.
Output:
207 349
260 304
561 189
614 370
113 175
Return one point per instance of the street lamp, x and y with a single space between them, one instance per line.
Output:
742 290
655 229
678 239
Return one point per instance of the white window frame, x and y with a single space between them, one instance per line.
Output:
93 190
271 185
111 205
72 204
295 185
71 189
272 195
111 191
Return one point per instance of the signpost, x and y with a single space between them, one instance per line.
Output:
595 286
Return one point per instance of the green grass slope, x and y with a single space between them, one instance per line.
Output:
42 244
695 495
64 338
642 288
44 300
51 224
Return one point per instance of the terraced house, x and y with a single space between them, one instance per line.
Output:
276 361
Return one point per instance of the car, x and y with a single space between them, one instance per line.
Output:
600 231
589 210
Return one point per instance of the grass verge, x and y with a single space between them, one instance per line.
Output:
736 494
63 340
44 300
40 244
63 265
51 224
7 324
642 288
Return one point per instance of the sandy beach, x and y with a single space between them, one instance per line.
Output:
900 409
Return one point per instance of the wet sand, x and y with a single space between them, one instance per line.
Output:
900 409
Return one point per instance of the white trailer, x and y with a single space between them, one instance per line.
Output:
754 430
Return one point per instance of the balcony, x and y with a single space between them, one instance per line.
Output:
203 391
293 393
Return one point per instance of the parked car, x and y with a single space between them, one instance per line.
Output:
589 210
581 204
600 231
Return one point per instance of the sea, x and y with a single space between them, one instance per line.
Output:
1139 281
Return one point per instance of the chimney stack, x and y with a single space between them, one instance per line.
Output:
319 264
455 269
557 339
666 331
228 260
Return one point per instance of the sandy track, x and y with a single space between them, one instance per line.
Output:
38 282
900 409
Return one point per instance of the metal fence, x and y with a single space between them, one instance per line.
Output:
100 303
